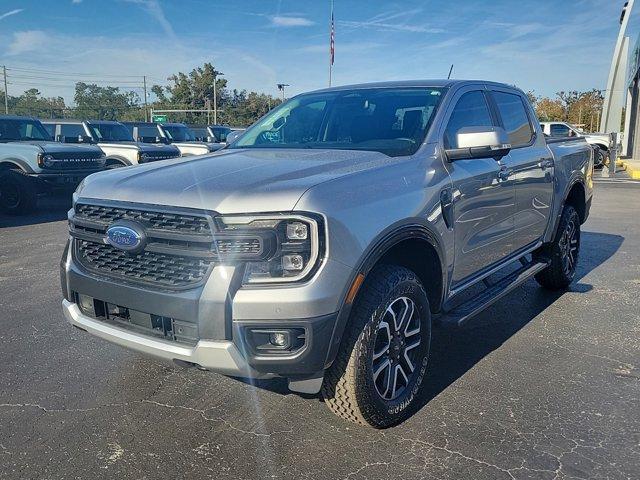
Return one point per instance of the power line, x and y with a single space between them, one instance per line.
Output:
67 74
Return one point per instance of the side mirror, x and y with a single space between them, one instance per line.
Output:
210 139
61 139
85 139
480 142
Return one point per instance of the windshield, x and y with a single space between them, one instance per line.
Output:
110 132
393 121
179 133
17 129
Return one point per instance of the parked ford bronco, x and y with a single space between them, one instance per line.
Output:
323 244
113 138
31 163
177 134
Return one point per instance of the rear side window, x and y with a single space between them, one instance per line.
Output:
514 117
559 130
471 110
72 130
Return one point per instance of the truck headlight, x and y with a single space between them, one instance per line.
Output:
45 160
279 248
142 157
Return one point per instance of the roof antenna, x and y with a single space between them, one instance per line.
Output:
450 70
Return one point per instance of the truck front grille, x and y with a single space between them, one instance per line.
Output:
146 267
158 220
178 252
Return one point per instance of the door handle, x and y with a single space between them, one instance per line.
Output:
545 163
504 173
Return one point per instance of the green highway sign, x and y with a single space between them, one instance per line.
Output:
159 118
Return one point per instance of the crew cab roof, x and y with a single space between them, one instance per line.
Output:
437 83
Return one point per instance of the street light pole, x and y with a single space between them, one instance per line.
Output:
215 96
281 87
6 94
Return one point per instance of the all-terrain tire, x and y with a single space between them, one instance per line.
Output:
350 389
18 193
562 269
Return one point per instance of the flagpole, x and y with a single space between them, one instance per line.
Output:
331 44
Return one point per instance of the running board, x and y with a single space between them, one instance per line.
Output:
494 292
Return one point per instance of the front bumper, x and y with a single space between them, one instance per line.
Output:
221 356
223 314
69 180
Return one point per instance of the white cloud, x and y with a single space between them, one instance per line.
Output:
26 41
286 21
384 21
154 9
11 12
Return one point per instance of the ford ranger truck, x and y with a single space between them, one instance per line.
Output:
177 134
31 163
324 243
113 138
599 141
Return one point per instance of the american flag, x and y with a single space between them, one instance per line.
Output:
332 40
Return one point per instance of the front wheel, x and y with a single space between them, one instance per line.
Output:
379 370
562 252
18 193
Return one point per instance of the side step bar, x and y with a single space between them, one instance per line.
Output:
494 292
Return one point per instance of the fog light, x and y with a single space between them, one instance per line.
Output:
86 304
279 339
297 231
292 262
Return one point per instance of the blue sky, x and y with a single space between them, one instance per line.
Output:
539 45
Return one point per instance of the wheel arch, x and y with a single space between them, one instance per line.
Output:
15 164
577 197
111 159
399 247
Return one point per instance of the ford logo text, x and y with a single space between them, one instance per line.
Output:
125 237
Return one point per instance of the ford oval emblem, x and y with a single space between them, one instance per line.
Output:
126 236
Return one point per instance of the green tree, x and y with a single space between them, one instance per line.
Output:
106 103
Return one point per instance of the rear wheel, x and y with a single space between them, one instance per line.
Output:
18 193
601 157
562 252
379 370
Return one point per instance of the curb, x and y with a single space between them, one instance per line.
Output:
633 169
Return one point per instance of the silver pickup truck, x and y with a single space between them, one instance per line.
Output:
327 240
31 163
113 138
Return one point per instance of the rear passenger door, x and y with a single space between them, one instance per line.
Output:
483 201
529 163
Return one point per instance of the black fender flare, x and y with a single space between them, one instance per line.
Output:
12 163
574 181
118 158
386 240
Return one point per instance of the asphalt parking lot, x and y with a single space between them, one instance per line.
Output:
541 385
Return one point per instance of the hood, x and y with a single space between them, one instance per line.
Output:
232 181
56 147
161 148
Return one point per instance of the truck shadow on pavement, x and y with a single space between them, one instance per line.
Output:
51 208
456 351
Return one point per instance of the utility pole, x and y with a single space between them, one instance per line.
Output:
215 96
281 87
144 81
332 46
6 94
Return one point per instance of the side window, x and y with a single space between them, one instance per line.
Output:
559 130
72 130
514 117
470 111
51 128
